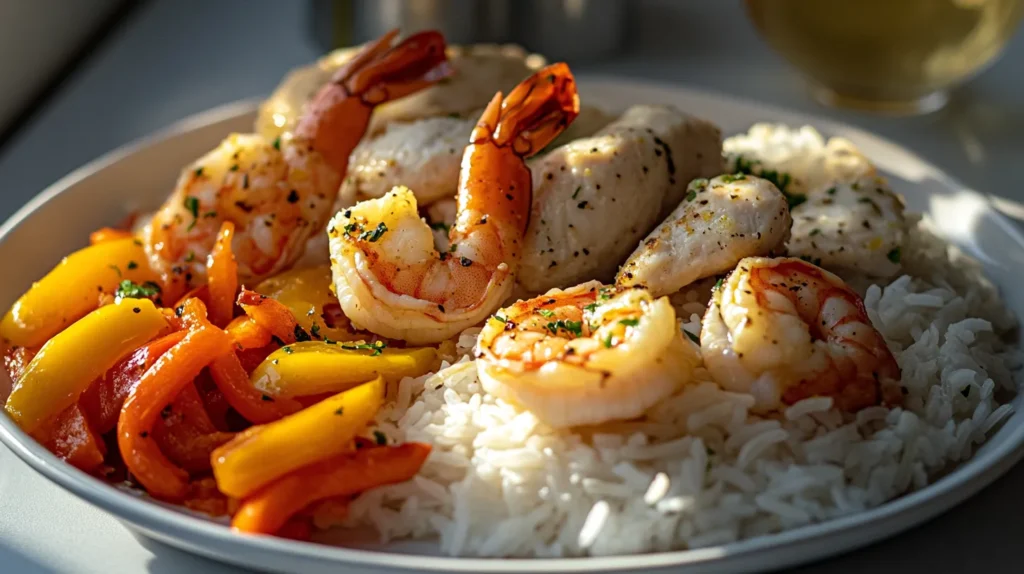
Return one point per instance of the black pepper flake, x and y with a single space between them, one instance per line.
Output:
293 196
465 261
144 434
267 398
582 205
440 307
136 310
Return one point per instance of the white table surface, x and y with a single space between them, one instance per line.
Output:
178 57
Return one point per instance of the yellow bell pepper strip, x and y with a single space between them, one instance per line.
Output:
308 294
314 367
268 510
69 362
73 289
260 454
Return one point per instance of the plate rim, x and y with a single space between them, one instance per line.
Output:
898 514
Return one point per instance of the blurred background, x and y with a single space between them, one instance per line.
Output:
942 77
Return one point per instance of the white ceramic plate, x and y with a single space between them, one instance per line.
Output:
139 176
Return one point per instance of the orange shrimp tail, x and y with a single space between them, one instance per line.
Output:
337 117
533 113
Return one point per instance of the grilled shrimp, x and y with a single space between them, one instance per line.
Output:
388 276
784 330
597 197
851 226
718 223
279 193
585 355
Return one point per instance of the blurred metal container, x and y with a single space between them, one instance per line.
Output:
572 30
461 21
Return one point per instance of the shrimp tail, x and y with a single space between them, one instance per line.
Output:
338 115
533 113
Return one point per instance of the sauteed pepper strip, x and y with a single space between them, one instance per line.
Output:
157 388
261 454
74 287
69 362
269 509
314 367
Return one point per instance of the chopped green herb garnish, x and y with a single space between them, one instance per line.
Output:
301 334
831 191
577 192
608 341
590 307
794 199
190 257
718 285
631 322
116 268
315 331
375 234
815 231
441 226
277 143
287 350
500 317
199 171
691 195
894 255
574 327
192 205
128 290
730 178
340 411
381 438
692 337
545 313
377 347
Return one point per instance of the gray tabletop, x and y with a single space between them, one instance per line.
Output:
174 58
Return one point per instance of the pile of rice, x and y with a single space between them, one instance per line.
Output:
700 469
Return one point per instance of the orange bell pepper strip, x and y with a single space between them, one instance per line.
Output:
105 234
270 508
263 453
70 436
255 406
103 400
247 334
185 433
222 276
269 314
157 387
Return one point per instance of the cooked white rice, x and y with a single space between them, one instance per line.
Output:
699 469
